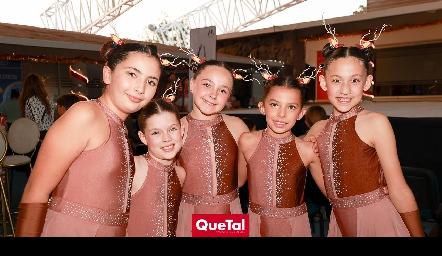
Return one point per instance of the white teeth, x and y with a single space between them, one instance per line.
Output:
343 100
168 147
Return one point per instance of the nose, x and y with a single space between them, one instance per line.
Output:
213 94
139 88
282 112
166 137
345 88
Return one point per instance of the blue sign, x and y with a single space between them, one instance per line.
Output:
10 78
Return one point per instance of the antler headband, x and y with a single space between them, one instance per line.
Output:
116 41
303 79
363 43
169 93
264 69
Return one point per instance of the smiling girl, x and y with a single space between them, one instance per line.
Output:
210 151
85 164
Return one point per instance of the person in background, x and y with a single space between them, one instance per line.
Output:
210 153
232 103
357 148
81 182
11 108
312 193
35 104
157 183
312 115
65 101
278 162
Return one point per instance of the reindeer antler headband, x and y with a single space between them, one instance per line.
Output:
264 69
304 80
169 93
364 43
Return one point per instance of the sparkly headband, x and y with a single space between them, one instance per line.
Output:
304 80
264 69
364 42
169 93
196 62
116 41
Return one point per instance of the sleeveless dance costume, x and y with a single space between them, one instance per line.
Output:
209 156
353 175
276 181
93 197
154 207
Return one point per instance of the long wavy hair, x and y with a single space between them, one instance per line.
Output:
34 85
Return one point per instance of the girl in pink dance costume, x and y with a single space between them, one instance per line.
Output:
278 162
156 188
86 160
210 152
357 148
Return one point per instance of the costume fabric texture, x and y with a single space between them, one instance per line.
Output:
154 207
353 180
276 181
209 156
93 196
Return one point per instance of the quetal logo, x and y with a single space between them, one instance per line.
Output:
220 225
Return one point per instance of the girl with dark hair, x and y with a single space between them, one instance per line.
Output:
278 162
210 151
81 182
156 187
357 148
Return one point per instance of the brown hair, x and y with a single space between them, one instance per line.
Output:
156 106
314 114
285 81
34 85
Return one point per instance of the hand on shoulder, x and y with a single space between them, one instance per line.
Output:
315 130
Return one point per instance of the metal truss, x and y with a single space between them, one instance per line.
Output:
227 16
85 16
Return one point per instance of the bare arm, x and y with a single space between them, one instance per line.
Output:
384 142
312 162
242 175
237 127
141 169
76 131
316 171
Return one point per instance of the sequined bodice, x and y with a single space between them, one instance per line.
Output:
154 210
101 178
350 166
209 156
276 173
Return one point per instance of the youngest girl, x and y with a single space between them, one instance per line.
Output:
156 187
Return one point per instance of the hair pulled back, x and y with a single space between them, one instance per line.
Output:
156 106
113 53
331 54
285 81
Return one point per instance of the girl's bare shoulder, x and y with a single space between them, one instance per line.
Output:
372 119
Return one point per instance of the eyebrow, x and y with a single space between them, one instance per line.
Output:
278 101
139 72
